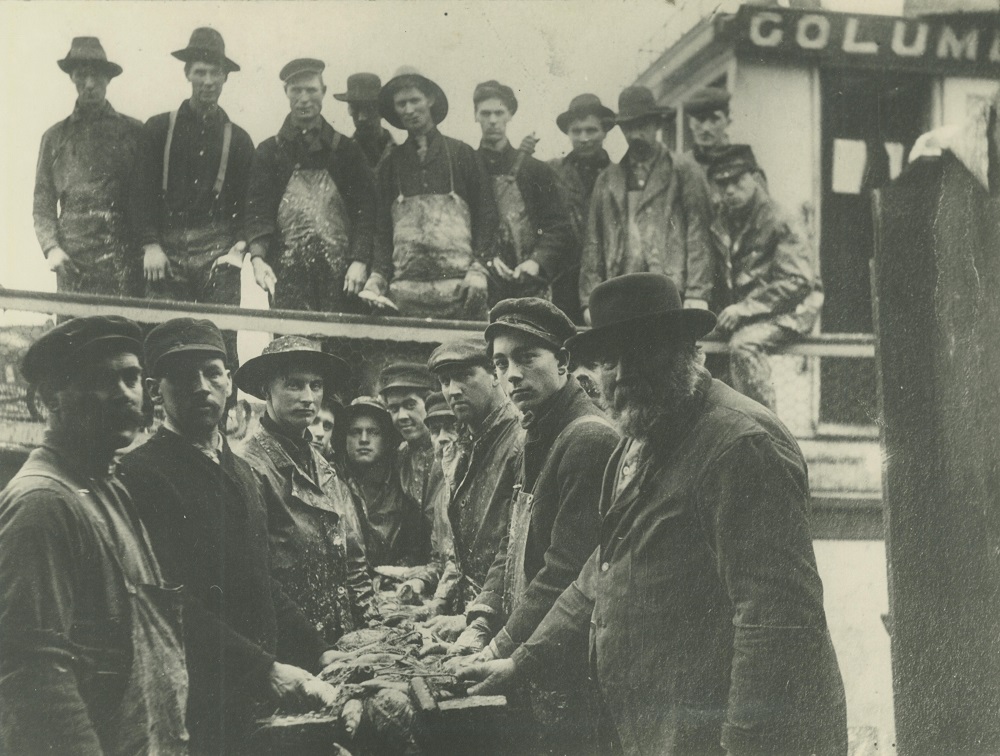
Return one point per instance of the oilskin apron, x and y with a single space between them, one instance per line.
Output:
150 718
518 241
312 219
432 252
635 256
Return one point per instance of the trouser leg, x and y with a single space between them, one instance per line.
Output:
749 364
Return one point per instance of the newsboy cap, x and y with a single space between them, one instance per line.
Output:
408 376
437 407
531 315
493 88
470 352
178 336
301 66
706 101
57 353
731 161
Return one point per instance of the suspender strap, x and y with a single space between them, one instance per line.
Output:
166 149
227 140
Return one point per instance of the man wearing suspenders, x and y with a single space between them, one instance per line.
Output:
192 180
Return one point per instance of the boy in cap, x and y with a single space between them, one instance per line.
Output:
370 135
311 205
207 515
81 182
316 542
536 234
776 291
555 518
90 642
192 175
489 460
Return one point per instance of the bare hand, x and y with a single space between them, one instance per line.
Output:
528 144
729 318
59 261
472 291
155 265
286 682
494 677
447 627
695 304
264 275
356 276
528 269
472 640
502 269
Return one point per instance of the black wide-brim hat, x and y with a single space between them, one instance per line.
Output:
88 51
638 303
254 374
206 46
407 77
582 106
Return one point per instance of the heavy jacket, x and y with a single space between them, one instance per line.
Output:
395 529
480 507
773 271
565 451
208 525
671 225
703 602
316 543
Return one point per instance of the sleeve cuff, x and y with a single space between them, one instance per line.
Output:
503 645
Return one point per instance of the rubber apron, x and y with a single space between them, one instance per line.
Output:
518 240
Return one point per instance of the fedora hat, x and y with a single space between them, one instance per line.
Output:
407 76
88 50
206 46
361 87
637 303
638 102
285 350
582 106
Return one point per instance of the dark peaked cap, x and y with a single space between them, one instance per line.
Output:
534 316
57 353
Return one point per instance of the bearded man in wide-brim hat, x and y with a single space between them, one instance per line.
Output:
644 214
82 182
362 105
437 220
703 603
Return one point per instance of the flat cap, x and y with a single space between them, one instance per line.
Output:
181 335
470 352
437 407
706 101
493 88
405 375
731 161
301 66
59 352
534 316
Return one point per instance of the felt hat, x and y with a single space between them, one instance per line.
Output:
637 102
206 46
638 303
493 88
407 76
361 87
88 50
469 352
181 335
531 315
300 66
582 106
290 350
706 101
59 352
731 161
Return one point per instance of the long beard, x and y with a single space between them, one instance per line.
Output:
655 395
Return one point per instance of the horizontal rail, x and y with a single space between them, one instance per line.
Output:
374 327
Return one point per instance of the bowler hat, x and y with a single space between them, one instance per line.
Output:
637 303
361 87
181 335
407 76
730 161
531 315
290 350
493 88
58 352
206 46
88 50
437 407
468 352
706 101
407 376
582 106
301 66
638 102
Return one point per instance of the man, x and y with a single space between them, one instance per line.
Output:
554 521
586 122
487 467
536 231
81 182
322 427
645 213
311 203
777 294
437 221
91 658
370 135
207 518
395 530
702 601
403 386
707 112
192 176
316 543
